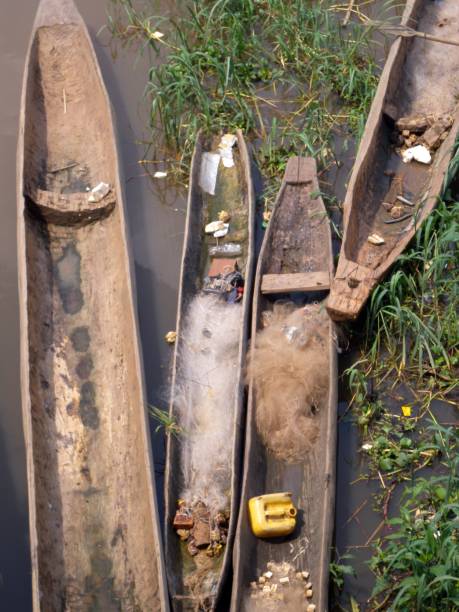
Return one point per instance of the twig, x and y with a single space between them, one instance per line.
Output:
407 32
354 514
375 532
348 13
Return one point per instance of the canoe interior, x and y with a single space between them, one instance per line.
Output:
233 193
421 82
298 240
92 505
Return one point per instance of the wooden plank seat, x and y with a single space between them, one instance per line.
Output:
299 282
69 208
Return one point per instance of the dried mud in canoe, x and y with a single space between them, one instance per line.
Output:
418 80
93 518
297 242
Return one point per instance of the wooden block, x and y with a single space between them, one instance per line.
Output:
290 283
300 170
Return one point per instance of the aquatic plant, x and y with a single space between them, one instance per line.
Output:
287 73
417 564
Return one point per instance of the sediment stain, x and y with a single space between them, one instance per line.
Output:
89 413
68 276
80 339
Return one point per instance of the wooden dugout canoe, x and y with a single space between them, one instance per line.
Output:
233 193
416 80
94 531
295 260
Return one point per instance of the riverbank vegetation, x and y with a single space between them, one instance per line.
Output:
298 82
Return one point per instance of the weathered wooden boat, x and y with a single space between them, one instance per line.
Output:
296 263
94 528
416 95
207 394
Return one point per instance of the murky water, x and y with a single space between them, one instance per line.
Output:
156 218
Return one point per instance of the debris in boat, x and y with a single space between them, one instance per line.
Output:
230 249
388 206
432 137
222 232
220 266
272 515
419 153
375 239
160 174
209 171
226 149
399 219
202 531
311 608
266 218
98 192
404 200
214 226
415 123
290 378
396 211
229 285
224 216
280 588
170 337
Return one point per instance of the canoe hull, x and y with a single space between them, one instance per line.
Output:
94 531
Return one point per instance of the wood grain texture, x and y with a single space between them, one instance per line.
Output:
297 241
94 531
361 265
299 282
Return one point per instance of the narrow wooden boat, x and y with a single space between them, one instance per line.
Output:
296 263
207 395
416 95
94 529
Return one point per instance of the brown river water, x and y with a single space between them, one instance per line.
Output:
156 219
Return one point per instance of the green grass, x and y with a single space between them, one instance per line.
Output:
287 73
417 564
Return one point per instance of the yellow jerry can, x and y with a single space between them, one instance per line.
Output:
272 515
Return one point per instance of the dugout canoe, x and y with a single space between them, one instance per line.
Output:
94 530
295 263
202 461
416 83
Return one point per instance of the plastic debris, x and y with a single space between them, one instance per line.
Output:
305 575
268 574
226 149
224 216
222 232
160 174
284 580
230 249
311 608
367 447
156 35
309 593
375 239
170 337
406 411
404 200
419 153
215 226
98 192
209 171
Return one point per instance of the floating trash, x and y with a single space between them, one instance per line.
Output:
160 174
170 337
406 411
